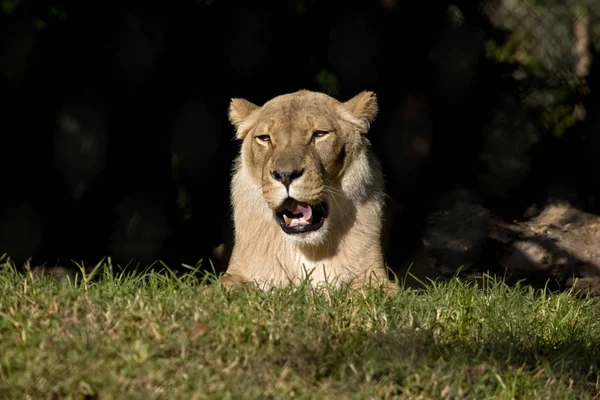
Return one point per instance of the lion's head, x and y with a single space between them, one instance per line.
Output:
298 150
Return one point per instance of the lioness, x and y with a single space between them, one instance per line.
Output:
307 193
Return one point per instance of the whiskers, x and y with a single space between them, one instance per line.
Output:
333 190
320 207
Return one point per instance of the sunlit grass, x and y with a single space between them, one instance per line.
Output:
168 335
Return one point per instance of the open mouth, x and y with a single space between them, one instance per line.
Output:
297 217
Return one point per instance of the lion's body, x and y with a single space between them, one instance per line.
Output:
338 169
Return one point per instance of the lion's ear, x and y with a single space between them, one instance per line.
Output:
239 113
364 107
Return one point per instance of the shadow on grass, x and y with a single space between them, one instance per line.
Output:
415 362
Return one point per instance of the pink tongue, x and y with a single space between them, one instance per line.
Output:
306 212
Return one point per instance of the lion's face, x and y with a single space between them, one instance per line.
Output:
297 149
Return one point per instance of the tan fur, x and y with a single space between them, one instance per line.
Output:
339 169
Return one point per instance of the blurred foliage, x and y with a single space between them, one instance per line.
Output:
39 17
540 42
9 6
56 12
502 52
327 82
550 52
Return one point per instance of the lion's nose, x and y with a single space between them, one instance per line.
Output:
286 177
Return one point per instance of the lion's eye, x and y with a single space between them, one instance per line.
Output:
319 134
264 138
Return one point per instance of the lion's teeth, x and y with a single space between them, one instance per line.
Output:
309 220
286 219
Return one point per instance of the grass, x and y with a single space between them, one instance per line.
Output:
162 335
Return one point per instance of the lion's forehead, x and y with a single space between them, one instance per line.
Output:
301 119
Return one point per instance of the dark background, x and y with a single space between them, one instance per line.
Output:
114 132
